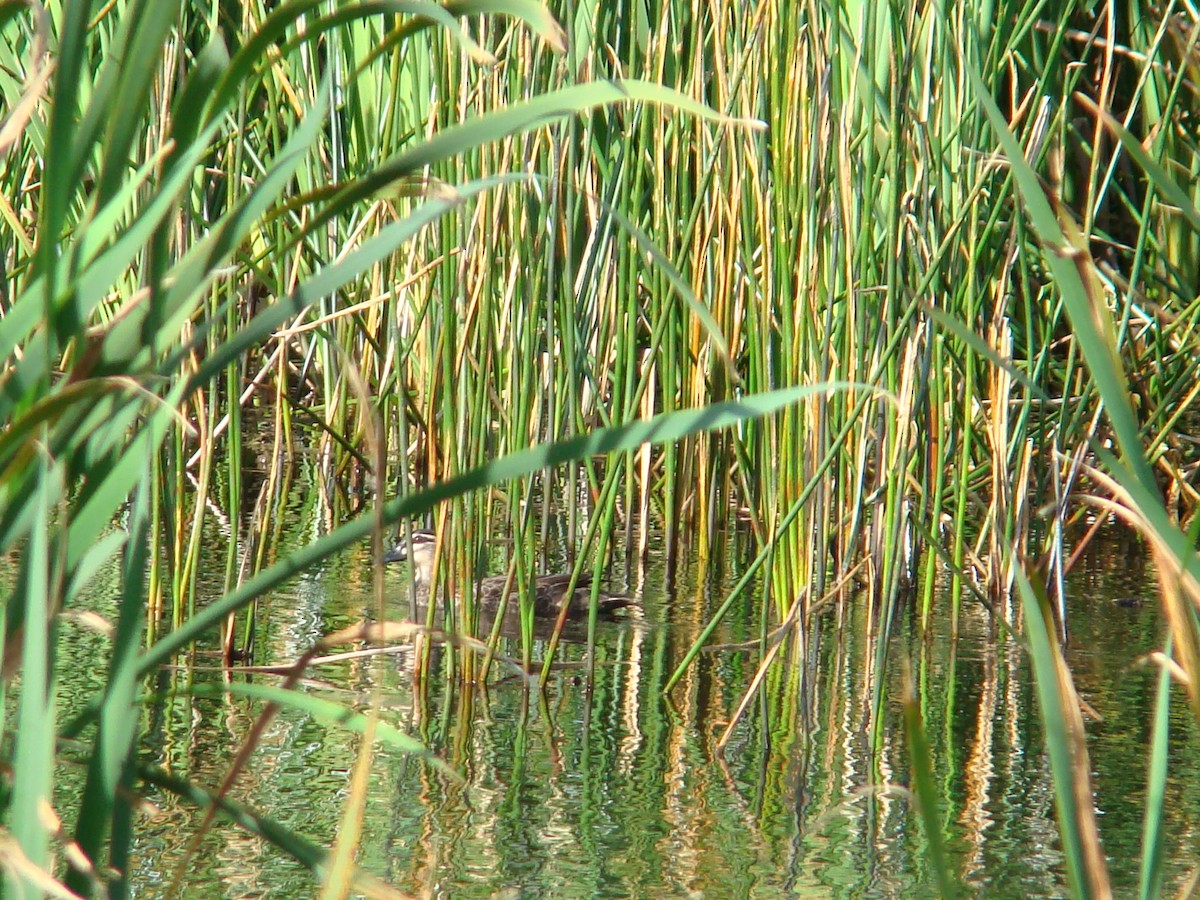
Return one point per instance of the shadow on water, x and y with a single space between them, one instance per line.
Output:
620 791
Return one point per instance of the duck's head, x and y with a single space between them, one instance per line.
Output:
423 544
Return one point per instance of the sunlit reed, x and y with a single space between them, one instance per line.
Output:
935 261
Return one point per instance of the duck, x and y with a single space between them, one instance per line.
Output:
550 592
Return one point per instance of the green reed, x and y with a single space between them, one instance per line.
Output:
222 248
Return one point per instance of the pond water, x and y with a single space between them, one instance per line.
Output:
622 792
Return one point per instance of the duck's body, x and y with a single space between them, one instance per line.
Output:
549 591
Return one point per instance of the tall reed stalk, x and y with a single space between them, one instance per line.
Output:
965 239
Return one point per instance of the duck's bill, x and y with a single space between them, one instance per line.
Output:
397 554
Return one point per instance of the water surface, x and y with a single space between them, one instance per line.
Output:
621 791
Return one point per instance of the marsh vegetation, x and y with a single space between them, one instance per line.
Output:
867 319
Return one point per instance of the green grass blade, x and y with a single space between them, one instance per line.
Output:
1065 746
326 712
1153 828
511 121
103 809
1158 175
35 720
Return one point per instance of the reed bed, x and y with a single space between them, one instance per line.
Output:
909 291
